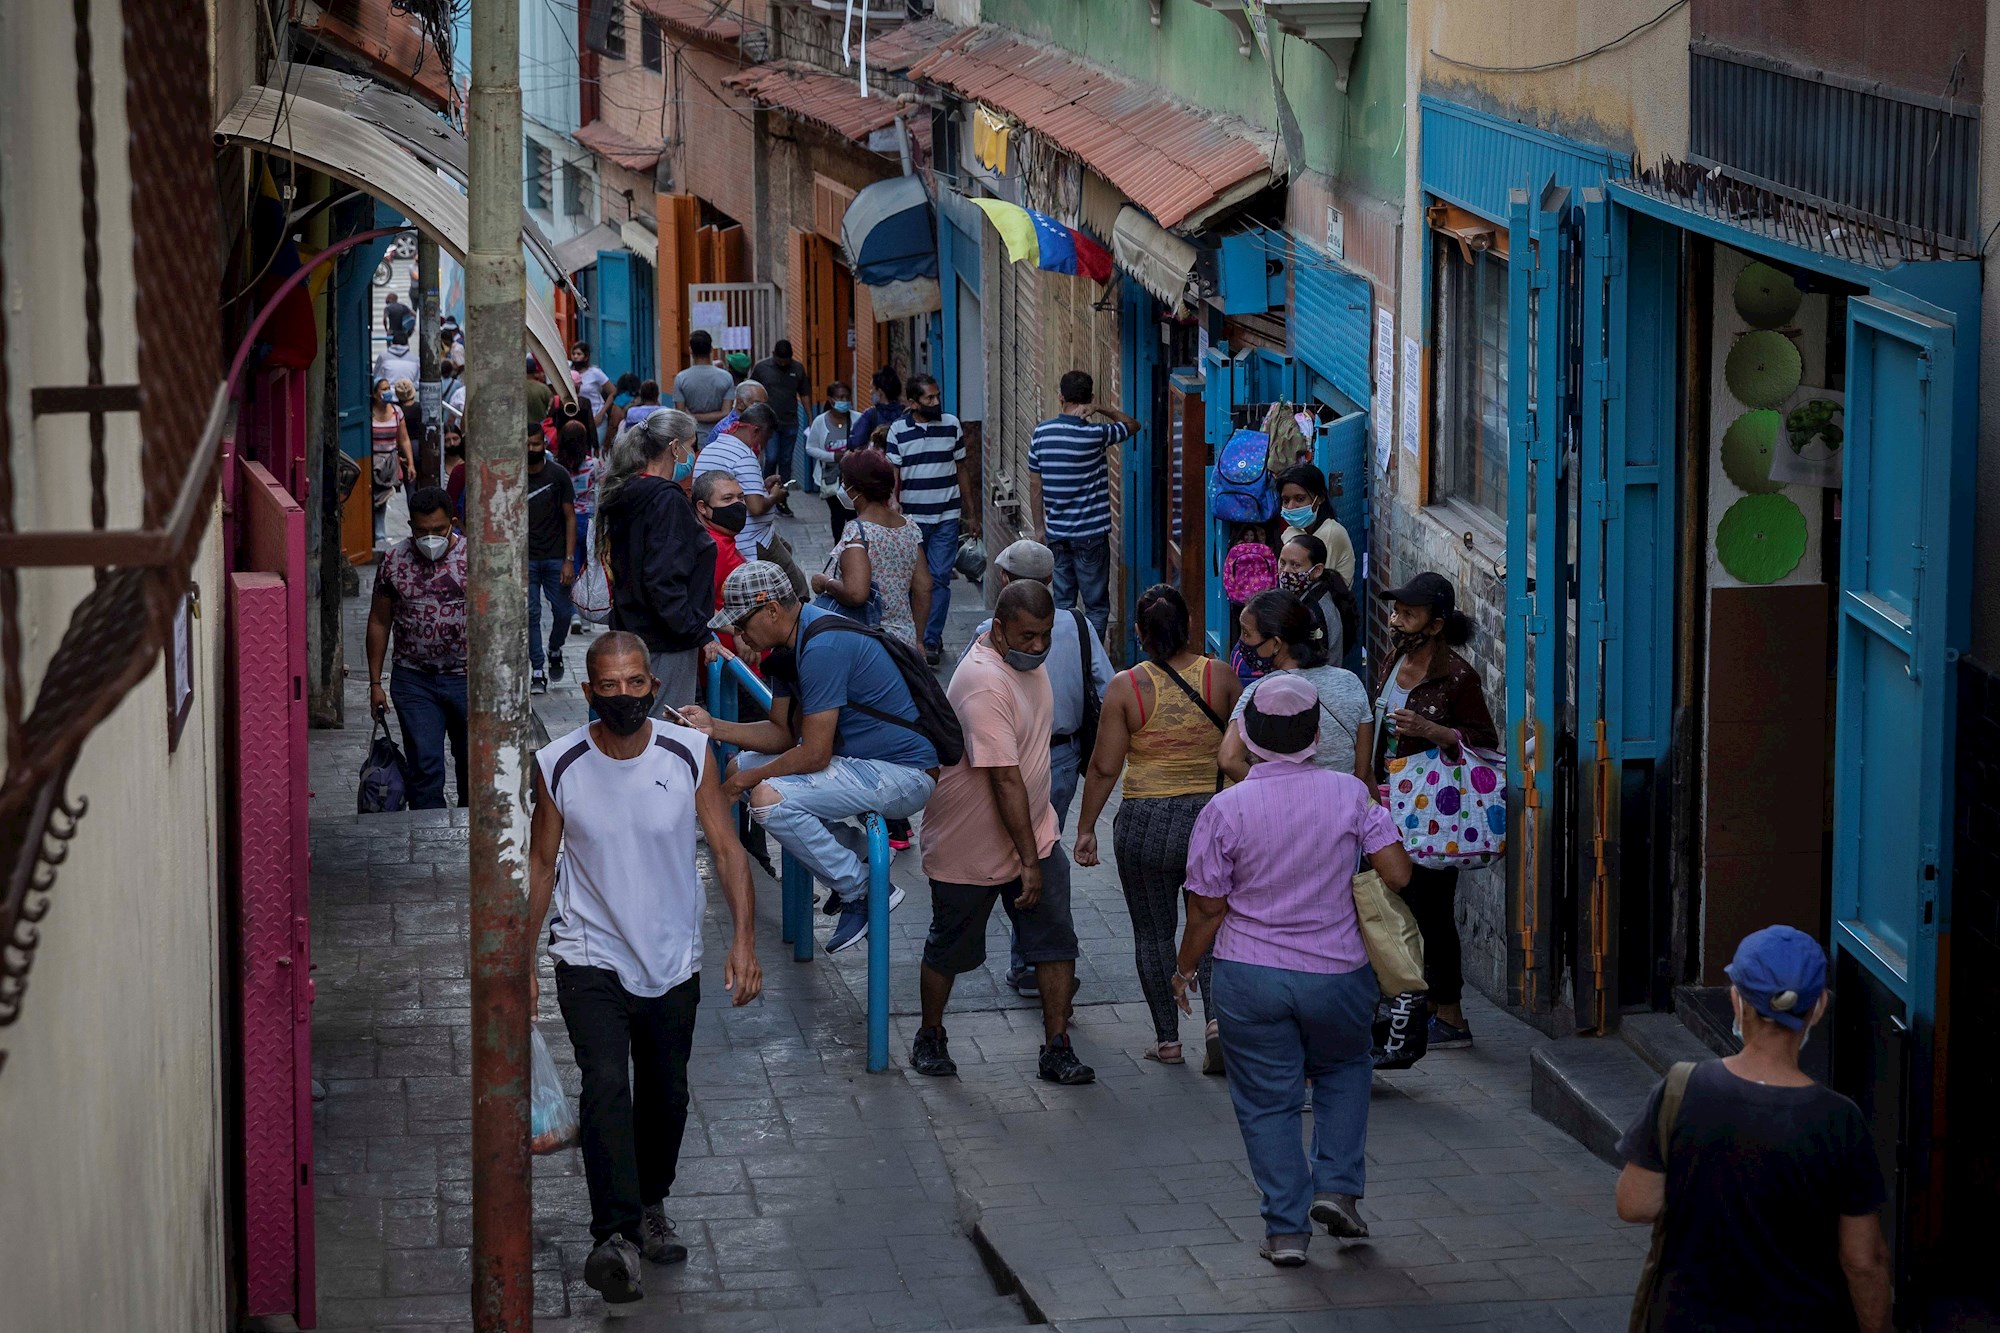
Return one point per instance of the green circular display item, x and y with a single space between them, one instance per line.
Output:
1763 369
1766 297
1746 451
1761 539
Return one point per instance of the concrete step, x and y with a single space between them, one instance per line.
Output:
1662 1040
1591 1088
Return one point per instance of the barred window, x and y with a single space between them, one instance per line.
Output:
1469 402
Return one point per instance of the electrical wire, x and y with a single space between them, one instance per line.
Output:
1562 64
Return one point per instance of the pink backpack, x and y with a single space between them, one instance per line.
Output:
1248 569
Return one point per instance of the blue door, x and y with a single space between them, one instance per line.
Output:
1904 611
1251 378
612 312
1537 583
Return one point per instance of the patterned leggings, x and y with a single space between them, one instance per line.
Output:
1150 839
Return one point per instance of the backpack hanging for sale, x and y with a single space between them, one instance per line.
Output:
1248 569
1244 491
1288 445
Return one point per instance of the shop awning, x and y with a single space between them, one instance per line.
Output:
640 240
347 149
1160 261
1177 161
623 149
827 100
580 252
702 20
888 233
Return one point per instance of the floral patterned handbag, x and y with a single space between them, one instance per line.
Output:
1450 815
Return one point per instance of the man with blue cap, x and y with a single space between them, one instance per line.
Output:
1764 1186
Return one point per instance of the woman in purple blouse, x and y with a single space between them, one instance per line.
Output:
1292 991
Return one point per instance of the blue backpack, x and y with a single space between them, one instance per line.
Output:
1244 491
384 777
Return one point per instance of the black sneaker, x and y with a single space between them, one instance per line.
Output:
933 653
555 665
661 1247
612 1270
1024 983
1340 1215
929 1055
785 508
538 684
1060 1065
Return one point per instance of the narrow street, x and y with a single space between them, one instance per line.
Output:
814 1196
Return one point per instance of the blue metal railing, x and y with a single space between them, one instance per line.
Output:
795 882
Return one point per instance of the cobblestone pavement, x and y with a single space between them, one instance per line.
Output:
816 1196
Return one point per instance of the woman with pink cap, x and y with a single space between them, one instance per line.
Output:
1292 989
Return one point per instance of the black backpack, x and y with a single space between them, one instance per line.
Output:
935 722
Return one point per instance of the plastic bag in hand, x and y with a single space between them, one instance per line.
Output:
552 1122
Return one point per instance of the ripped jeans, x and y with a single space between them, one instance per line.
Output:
810 817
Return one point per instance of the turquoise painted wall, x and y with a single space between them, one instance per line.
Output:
1192 54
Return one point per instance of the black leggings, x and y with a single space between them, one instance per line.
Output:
1150 837
1431 895
840 515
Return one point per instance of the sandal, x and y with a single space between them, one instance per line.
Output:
1211 1056
1166 1052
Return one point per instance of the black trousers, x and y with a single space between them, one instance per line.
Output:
631 1124
1431 894
840 516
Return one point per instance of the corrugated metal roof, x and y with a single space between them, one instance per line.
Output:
626 151
814 95
694 18
1169 157
904 46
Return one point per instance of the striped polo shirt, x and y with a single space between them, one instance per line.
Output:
926 455
1067 453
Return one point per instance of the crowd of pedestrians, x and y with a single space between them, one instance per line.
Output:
1252 801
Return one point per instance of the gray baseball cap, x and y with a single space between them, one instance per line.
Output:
753 584
1028 560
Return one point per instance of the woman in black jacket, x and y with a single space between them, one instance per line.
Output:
661 557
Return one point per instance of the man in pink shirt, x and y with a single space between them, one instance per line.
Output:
990 832
1292 987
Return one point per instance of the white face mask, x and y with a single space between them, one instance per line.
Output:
433 548
1736 1030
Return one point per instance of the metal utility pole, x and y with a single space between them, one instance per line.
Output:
497 677
430 389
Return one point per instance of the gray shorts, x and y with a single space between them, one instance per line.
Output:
679 675
1044 932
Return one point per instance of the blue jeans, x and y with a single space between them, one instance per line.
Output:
810 819
430 707
781 452
1280 1028
545 576
940 551
1083 577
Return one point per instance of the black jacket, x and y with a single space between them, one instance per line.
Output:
662 564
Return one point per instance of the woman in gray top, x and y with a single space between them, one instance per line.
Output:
1288 635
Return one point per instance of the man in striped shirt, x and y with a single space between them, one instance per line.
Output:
927 448
1070 489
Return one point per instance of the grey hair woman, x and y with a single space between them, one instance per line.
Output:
660 558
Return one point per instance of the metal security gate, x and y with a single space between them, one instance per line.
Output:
273 942
739 316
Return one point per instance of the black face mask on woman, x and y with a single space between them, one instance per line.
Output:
622 714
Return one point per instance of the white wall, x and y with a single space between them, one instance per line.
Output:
111 1105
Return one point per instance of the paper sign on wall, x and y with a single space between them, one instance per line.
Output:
1412 400
708 315
736 338
1385 387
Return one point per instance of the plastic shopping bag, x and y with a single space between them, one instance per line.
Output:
552 1123
1389 930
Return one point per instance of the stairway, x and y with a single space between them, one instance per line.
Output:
1591 1088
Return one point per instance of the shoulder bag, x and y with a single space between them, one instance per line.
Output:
1649 1275
1450 814
870 611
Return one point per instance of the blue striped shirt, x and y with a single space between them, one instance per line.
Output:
926 454
1068 454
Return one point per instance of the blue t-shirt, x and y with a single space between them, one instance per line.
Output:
839 669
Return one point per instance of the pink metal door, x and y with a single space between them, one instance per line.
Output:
269 650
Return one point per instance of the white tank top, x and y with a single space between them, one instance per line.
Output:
628 896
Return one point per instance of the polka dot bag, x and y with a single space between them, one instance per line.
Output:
1450 815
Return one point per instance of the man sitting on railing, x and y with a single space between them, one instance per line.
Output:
840 741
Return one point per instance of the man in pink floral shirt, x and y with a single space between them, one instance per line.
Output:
420 598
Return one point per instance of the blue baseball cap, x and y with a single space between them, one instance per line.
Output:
1781 973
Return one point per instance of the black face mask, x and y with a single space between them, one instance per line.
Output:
731 517
1405 643
622 713
537 457
929 412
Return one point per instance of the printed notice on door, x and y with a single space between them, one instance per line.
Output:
1412 400
1385 387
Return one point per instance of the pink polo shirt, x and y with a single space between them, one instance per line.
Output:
1008 717
1280 847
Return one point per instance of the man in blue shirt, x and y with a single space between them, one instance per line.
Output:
1070 490
840 740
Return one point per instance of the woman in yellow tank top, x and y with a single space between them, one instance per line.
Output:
1162 727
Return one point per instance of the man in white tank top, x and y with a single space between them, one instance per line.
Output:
619 798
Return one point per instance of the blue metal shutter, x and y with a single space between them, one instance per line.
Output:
1330 320
612 312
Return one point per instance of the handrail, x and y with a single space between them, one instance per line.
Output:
795 883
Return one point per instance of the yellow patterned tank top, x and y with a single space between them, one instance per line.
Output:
1173 751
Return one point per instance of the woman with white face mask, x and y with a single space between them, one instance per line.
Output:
826 440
